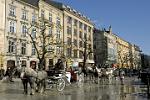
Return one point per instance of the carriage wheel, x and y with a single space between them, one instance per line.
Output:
60 84
80 80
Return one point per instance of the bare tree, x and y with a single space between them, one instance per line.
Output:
87 51
123 57
42 41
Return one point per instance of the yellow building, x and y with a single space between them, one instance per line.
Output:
67 26
136 57
76 28
123 53
17 17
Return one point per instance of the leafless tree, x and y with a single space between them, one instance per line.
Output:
42 41
124 58
87 51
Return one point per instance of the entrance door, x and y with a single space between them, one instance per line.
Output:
11 64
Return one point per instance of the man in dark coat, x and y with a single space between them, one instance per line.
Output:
59 65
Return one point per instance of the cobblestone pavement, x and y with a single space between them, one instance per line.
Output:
131 90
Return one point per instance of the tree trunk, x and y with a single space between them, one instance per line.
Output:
41 64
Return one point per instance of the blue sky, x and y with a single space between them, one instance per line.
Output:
130 19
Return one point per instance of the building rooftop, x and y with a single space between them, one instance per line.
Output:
60 6
32 2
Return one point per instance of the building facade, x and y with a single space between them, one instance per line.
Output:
145 61
123 53
112 51
78 35
66 25
129 55
136 57
105 48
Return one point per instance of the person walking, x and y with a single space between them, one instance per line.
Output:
121 75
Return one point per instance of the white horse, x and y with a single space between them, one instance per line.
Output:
29 75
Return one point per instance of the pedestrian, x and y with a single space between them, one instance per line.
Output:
121 75
59 66
8 74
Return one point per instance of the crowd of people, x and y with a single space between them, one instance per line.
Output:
59 66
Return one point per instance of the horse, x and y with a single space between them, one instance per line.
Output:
92 73
106 75
29 75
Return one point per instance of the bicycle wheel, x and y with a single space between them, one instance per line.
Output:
60 84
80 80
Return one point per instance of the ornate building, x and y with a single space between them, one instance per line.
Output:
66 26
105 48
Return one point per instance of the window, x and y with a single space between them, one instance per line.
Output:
24 15
75 32
89 37
24 30
85 36
33 34
69 20
12 26
75 54
58 50
80 44
12 11
68 52
23 48
85 27
69 41
75 42
80 54
69 31
80 25
42 13
89 29
80 34
58 21
34 18
58 34
11 46
50 17
50 31
33 50
75 22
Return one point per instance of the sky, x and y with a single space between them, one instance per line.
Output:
129 19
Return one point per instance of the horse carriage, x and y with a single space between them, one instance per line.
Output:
56 78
